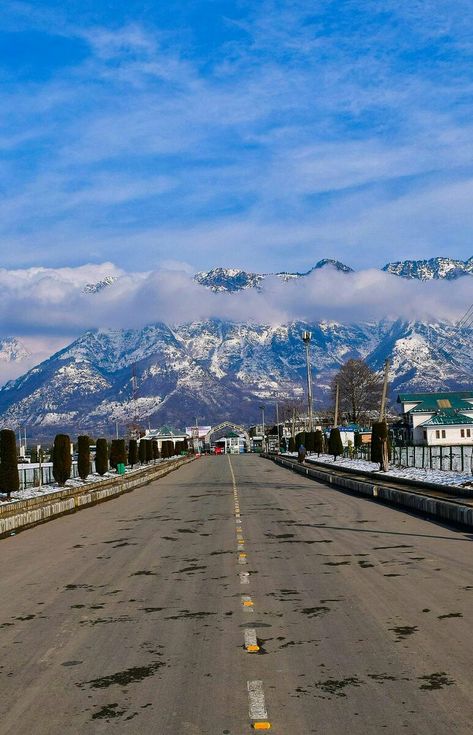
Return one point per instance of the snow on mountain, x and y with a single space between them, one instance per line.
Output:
99 285
435 268
232 279
219 370
12 350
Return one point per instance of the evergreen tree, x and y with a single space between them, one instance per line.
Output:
155 449
300 439
185 444
62 462
9 477
335 443
292 444
142 451
83 459
358 441
132 452
101 456
318 442
149 450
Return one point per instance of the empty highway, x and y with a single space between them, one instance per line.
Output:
137 614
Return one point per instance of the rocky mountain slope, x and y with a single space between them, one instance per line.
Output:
218 370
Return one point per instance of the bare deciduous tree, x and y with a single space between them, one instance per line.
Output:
360 389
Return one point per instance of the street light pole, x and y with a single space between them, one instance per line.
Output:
306 337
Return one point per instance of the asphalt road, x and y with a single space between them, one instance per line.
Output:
131 615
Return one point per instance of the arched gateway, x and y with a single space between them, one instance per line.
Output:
225 425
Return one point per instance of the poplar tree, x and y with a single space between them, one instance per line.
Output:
155 449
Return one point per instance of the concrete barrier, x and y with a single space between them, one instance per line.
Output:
446 510
33 511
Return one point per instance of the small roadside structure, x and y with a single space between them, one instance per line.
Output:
437 418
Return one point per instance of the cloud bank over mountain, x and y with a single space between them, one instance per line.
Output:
42 302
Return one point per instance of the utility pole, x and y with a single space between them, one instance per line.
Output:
382 410
306 337
262 419
277 424
337 395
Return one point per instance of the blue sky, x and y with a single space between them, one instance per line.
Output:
262 135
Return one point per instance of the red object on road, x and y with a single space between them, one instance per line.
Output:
218 450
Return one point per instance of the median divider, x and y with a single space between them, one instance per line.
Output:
416 500
19 515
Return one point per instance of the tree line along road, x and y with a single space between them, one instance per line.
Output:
233 595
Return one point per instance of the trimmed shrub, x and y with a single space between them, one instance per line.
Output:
142 451
101 456
185 444
335 445
117 453
169 448
149 450
62 458
155 449
9 477
292 444
132 452
300 439
379 435
83 458
318 442
358 441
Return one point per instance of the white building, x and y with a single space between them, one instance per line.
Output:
438 418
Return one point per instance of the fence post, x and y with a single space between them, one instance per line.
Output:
463 457
423 456
451 458
441 457
430 456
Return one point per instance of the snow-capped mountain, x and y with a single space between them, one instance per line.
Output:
99 285
12 350
232 279
435 268
219 370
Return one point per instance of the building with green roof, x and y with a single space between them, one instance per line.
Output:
438 418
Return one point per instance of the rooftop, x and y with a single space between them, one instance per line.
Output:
447 418
429 402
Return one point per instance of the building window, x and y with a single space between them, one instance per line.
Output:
443 434
462 433
437 434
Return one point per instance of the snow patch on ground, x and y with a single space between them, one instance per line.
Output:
438 477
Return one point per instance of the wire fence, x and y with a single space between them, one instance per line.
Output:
456 458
